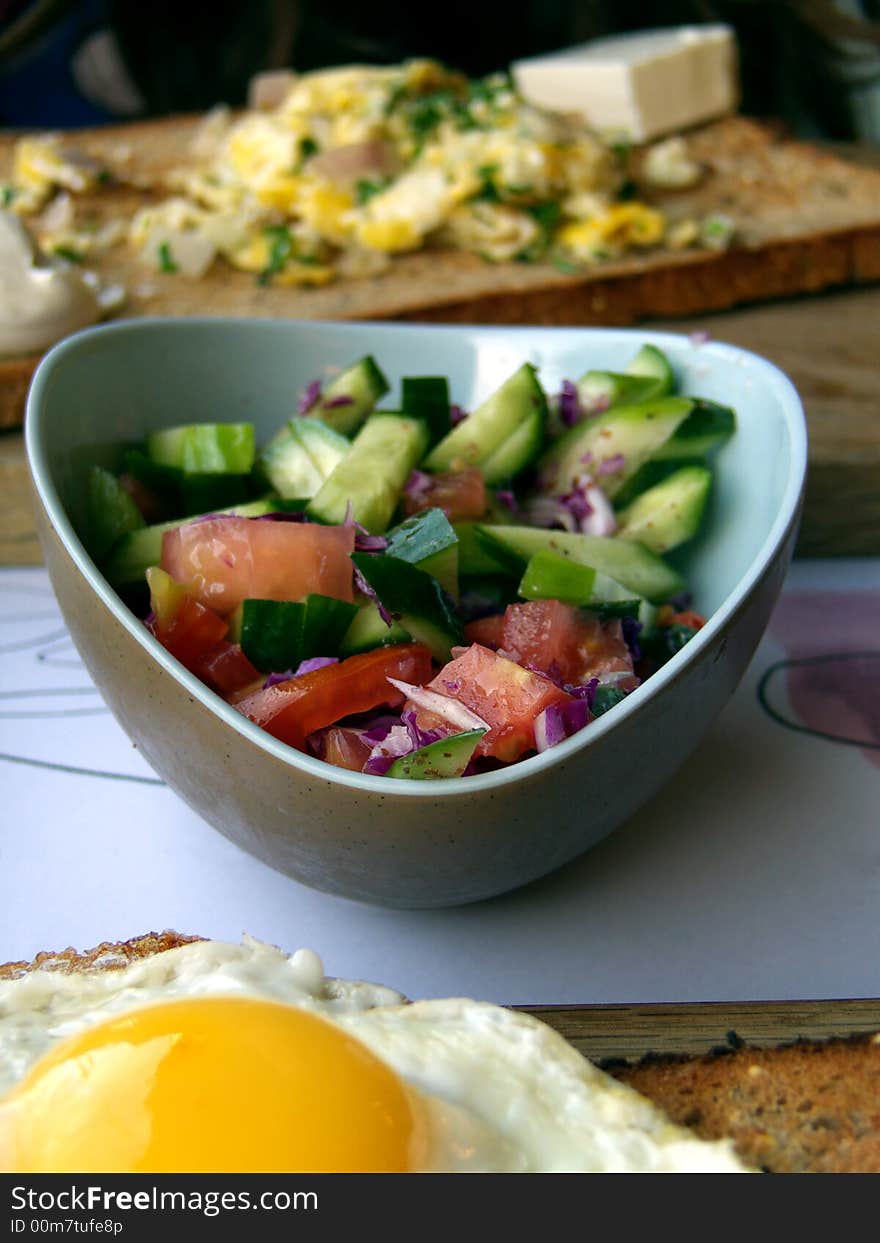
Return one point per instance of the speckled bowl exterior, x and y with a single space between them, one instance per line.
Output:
397 843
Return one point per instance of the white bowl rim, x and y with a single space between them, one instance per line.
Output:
776 380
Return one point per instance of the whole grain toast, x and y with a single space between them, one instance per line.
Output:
805 220
807 1106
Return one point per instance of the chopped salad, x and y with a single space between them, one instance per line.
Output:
427 591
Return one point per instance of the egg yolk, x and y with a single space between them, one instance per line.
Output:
213 1085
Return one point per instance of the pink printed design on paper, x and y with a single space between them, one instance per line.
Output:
829 685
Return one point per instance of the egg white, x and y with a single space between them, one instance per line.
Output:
499 1090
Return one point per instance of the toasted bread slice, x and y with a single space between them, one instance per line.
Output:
809 1106
805 220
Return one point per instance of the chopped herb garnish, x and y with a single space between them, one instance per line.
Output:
104 177
367 189
565 265
166 259
280 250
68 253
7 194
307 148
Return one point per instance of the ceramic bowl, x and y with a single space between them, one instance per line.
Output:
398 843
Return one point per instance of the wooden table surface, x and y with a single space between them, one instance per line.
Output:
829 344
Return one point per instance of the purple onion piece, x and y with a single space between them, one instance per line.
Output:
274 678
363 542
632 628
313 663
365 589
508 500
559 722
335 402
585 691
568 404
457 415
310 396
417 485
682 602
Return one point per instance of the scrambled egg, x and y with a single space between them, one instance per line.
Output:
358 164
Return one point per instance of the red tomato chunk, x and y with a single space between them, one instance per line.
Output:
461 494
567 643
507 697
226 559
294 709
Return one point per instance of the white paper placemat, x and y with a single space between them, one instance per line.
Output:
754 875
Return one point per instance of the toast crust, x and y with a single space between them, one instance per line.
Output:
806 220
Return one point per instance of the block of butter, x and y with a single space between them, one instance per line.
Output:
639 85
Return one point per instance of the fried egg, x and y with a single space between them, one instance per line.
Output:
237 1058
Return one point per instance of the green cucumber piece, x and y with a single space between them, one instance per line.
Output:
549 576
276 634
427 397
707 426
670 513
606 697
363 383
111 513
652 472
415 599
428 541
653 364
518 451
639 570
205 493
368 629
600 390
205 448
627 435
136 552
474 441
448 757
474 559
371 475
299 459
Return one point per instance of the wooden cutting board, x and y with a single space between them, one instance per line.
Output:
630 1032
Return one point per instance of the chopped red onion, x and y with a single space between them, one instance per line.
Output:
559 722
365 589
397 742
612 464
342 400
632 628
313 663
447 709
508 500
310 396
417 485
421 737
457 415
568 404
274 678
601 519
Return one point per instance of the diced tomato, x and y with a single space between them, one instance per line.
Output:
294 709
667 616
568 644
489 631
191 632
460 494
227 559
345 748
507 697
227 670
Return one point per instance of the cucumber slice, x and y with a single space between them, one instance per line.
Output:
549 576
600 390
669 513
707 426
368 630
654 364
518 451
130 559
301 457
427 397
652 472
639 570
414 598
474 558
428 541
371 475
276 635
347 400
474 441
205 448
448 757
110 513
623 439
